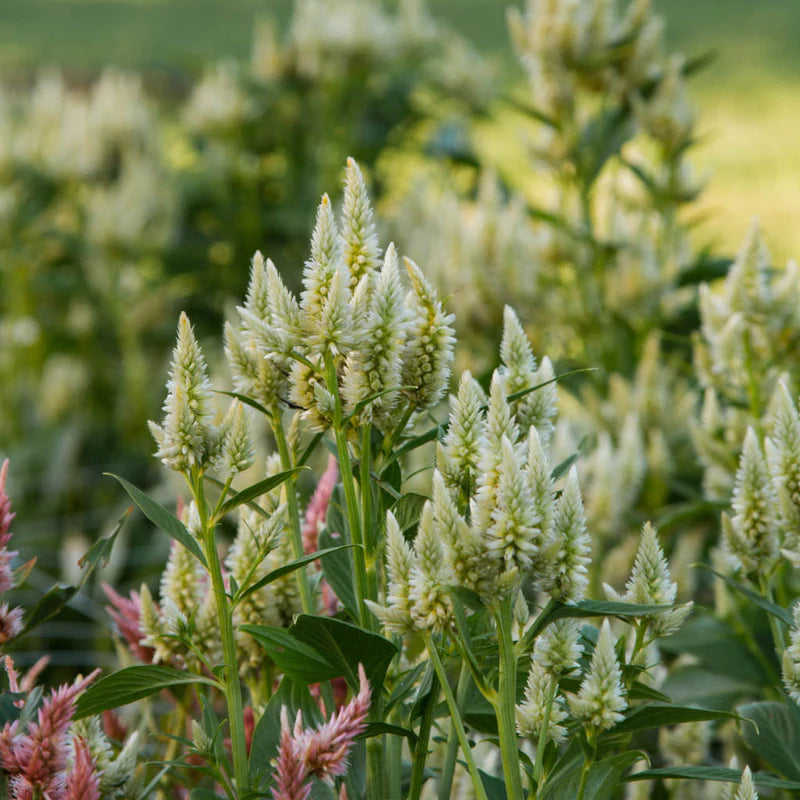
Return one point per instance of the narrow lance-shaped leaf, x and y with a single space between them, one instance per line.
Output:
162 519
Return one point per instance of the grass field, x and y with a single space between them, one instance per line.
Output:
748 97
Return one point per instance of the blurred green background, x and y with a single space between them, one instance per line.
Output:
749 103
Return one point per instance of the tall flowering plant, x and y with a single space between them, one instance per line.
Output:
437 577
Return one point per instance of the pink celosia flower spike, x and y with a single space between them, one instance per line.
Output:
82 781
318 506
290 772
323 752
327 748
6 573
126 613
37 758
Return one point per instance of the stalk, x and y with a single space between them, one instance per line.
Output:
542 743
232 687
351 503
458 725
420 755
366 502
294 511
449 766
394 769
507 703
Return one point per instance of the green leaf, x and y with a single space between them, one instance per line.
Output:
654 715
100 551
300 661
407 510
523 392
286 569
257 489
131 684
162 519
763 780
602 782
338 568
762 602
266 736
345 646
362 404
248 401
494 787
697 685
605 608
717 647
431 435
777 737
51 602
403 687
381 728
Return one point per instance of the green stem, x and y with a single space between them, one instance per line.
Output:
777 635
420 755
233 688
507 702
366 501
295 529
542 743
449 766
353 519
455 716
591 737
394 770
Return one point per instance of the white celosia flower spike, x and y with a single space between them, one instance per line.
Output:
359 237
238 452
783 455
377 365
747 789
650 584
459 455
752 535
791 659
531 711
511 540
565 563
431 607
324 268
396 614
558 647
186 436
601 698
428 354
263 379
516 354
746 287
256 299
541 483
519 371
499 424
463 546
333 331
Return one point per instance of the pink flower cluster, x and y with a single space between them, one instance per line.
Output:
318 506
322 753
10 618
36 757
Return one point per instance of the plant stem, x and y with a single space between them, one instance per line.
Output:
505 708
294 511
542 743
233 688
449 766
394 771
420 755
366 521
455 716
777 636
351 503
